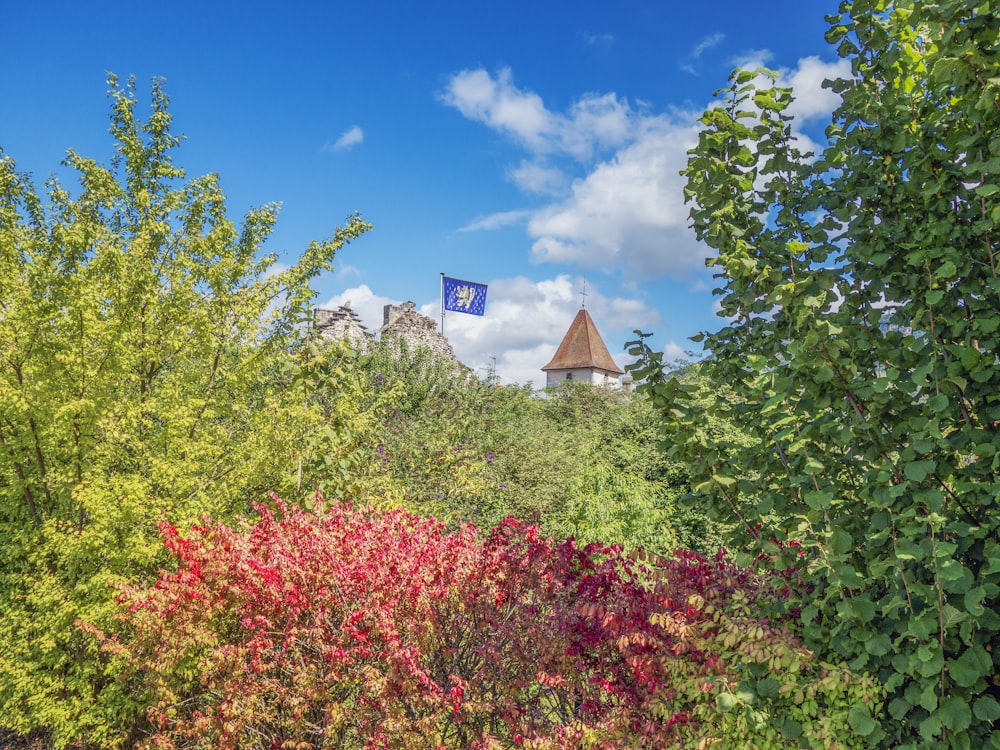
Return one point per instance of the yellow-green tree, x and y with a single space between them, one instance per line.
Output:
145 374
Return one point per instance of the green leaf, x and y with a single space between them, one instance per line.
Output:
840 541
955 713
726 702
937 403
864 609
818 500
791 729
970 357
861 721
917 471
930 727
767 688
946 270
934 296
898 708
971 666
973 601
986 708
879 645
929 697
824 374
930 660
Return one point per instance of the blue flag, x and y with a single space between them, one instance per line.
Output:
464 296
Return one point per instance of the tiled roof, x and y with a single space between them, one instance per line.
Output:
582 346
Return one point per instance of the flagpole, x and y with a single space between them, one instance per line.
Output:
442 304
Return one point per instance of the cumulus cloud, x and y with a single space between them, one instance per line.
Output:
673 352
527 319
628 214
368 305
609 172
594 121
753 58
348 139
346 271
812 101
538 178
498 103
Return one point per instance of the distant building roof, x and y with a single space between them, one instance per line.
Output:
583 347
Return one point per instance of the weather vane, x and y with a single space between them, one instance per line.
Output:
583 294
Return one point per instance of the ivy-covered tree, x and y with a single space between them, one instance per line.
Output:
144 374
860 292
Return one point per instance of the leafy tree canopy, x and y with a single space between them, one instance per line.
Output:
860 289
144 365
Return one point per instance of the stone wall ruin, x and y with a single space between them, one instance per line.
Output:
399 323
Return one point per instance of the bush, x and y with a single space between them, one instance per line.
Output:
340 627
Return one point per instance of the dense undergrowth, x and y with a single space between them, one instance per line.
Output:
342 627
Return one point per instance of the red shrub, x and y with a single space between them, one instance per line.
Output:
351 628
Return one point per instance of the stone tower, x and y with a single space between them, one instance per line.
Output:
582 356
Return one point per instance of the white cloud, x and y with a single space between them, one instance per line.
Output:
594 121
598 40
346 271
706 43
538 178
368 305
703 45
499 104
495 221
625 210
672 352
750 59
348 139
812 101
525 321
628 213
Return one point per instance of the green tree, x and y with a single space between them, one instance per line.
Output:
144 361
861 298
583 461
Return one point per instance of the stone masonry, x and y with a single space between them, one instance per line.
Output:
403 322
340 324
400 323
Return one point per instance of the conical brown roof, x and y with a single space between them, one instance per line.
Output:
582 347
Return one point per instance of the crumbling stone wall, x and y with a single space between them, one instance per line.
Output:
400 323
340 324
403 322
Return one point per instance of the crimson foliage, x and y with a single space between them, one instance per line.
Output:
340 627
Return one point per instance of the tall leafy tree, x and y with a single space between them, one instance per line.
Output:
861 298
144 374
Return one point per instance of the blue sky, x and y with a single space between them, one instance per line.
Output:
525 145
